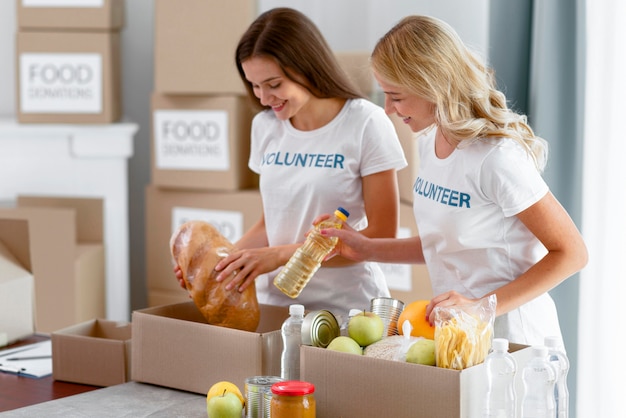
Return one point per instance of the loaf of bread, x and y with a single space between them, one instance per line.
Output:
197 247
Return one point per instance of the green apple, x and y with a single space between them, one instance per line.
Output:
226 405
366 328
345 345
422 352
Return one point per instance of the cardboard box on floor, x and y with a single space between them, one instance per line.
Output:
347 385
233 213
202 142
95 352
67 255
17 317
194 45
68 77
108 15
407 282
173 346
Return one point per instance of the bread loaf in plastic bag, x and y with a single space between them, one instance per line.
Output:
197 247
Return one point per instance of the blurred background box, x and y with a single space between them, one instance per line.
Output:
67 256
195 42
357 65
68 77
95 352
70 14
407 282
232 213
17 304
202 142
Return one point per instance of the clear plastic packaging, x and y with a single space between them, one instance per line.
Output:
307 259
558 358
500 367
291 332
539 379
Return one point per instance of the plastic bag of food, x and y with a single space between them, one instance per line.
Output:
393 347
196 247
463 334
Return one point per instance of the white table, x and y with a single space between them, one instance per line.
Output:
78 161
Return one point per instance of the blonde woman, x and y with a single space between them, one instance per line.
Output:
488 224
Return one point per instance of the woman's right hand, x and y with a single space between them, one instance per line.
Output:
179 276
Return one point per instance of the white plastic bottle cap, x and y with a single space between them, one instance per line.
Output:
539 351
354 312
296 309
501 344
552 341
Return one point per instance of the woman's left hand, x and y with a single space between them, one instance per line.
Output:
445 300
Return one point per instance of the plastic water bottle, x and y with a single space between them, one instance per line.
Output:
291 332
558 358
539 379
307 259
500 367
343 329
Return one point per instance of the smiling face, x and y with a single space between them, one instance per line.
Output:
415 111
273 88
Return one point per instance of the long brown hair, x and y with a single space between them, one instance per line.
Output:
292 40
426 56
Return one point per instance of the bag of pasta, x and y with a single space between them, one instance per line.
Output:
463 334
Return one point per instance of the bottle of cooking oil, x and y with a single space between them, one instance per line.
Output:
307 259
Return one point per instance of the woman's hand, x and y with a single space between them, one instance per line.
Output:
179 276
352 244
240 268
445 300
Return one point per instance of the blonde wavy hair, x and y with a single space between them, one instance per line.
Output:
427 57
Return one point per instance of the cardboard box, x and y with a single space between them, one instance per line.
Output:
95 352
202 142
68 77
407 282
173 346
233 213
70 14
357 65
195 43
358 386
17 316
408 175
67 253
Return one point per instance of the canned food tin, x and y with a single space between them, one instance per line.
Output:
389 310
319 328
255 389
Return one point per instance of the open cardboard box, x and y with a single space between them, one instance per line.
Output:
347 385
173 346
67 255
16 282
96 352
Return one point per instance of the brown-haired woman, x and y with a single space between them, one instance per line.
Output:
317 144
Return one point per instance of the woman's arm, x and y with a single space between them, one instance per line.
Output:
567 254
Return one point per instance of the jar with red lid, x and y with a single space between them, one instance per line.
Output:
292 399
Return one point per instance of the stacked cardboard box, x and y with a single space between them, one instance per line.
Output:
65 242
201 120
68 61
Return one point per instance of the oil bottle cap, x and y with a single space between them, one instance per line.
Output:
341 213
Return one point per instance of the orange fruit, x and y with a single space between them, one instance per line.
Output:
415 313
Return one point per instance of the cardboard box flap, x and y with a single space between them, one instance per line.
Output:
89 213
14 236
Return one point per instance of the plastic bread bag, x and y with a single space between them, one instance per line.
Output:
196 247
393 347
463 334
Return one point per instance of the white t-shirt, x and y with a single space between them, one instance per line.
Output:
306 173
465 207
